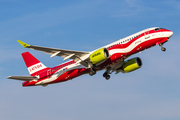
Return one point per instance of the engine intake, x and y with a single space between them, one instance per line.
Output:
131 65
99 56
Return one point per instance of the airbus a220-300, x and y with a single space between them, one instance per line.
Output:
111 58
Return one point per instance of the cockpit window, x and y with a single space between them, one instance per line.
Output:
157 29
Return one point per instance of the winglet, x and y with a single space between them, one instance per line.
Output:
23 44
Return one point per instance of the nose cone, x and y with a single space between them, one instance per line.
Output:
168 33
171 33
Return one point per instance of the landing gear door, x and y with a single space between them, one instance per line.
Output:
146 34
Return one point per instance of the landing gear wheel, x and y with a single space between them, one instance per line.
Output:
163 49
107 77
92 72
105 74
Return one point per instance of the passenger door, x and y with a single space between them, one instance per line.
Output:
49 73
146 34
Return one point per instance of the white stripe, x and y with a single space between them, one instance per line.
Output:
59 73
135 43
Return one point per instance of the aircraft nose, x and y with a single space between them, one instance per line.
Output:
170 33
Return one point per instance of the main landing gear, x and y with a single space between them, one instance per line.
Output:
106 74
93 72
162 48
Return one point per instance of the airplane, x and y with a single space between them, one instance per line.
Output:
111 58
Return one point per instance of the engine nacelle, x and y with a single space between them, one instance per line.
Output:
131 65
99 56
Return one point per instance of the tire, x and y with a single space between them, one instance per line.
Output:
163 49
105 74
107 77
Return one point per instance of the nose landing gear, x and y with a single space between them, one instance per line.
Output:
162 48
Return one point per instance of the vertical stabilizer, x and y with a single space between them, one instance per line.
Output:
33 64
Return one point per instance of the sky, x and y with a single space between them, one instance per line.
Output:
149 93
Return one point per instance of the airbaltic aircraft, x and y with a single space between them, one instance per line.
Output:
110 58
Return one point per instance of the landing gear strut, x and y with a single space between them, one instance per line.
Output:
106 76
92 72
162 48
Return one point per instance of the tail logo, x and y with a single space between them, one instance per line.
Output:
34 68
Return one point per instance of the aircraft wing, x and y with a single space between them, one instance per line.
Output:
23 78
66 54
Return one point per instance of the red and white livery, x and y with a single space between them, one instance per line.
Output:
111 58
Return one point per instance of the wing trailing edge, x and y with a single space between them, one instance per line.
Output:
80 56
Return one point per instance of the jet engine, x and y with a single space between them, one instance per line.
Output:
131 65
99 56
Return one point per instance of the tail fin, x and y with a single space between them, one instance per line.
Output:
33 64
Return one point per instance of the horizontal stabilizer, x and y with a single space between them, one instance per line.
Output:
23 78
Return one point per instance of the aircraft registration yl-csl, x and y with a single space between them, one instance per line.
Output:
110 57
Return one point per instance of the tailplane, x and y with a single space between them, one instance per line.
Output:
33 64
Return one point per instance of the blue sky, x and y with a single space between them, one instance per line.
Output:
151 92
